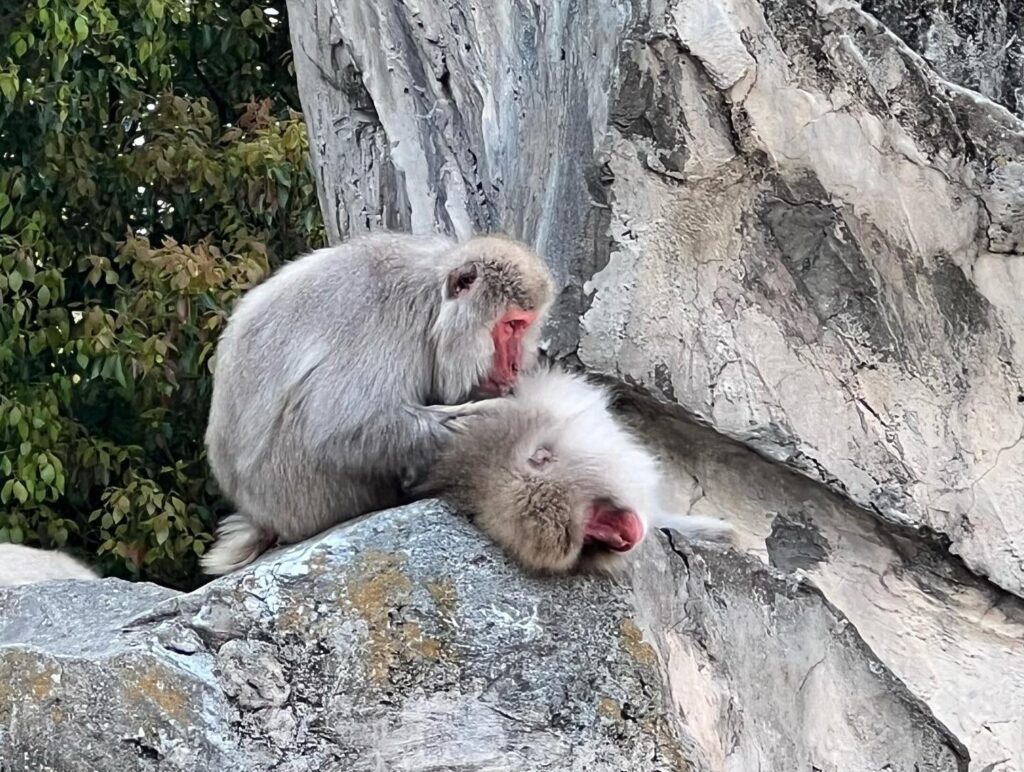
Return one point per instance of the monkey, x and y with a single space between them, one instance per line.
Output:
556 480
336 378
28 565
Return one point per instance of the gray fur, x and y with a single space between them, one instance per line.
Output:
27 565
326 371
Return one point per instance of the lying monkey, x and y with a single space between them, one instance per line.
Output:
325 372
556 480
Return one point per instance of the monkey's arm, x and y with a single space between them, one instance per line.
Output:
429 428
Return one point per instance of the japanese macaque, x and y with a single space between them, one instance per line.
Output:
328 375
556 480
28 565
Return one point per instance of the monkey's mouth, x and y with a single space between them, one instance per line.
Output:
612 528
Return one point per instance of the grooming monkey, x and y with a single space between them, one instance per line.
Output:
556 480
335 378
27 565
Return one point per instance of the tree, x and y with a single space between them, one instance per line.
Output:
153 167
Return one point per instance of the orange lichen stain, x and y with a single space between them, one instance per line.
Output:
22 675
609 708
633 642
418 642
378 584
445 596
376 587
155 689
294 618
41 684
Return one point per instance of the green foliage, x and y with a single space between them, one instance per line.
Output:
152 168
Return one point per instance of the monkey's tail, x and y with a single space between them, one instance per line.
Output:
696 527
239 542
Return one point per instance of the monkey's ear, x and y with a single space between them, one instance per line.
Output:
541 457
462 279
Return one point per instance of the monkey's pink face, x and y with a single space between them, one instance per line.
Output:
612 528
507 335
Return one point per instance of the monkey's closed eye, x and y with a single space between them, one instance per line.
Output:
541 457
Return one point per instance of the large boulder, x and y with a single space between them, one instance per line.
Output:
773 215
953 639
403 641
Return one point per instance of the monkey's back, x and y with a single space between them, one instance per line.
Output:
306 359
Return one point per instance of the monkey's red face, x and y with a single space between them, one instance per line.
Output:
612 528
507 335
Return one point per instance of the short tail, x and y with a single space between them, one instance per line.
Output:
697 527
239 542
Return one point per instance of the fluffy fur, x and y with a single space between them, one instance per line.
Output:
537 512
324 372
28 565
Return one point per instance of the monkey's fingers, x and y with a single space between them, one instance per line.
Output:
459 424
456 411
479 407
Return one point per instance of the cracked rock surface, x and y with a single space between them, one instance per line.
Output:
404 641
777 216
955 640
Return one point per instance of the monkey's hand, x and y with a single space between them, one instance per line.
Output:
435 425
457 418
475 407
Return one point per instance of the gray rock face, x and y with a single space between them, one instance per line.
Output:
775 216
975 43
953 639
404 642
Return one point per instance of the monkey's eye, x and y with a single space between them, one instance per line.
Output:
541 457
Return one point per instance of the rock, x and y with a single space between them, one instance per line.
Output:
775 216
976 43
404 642
954 640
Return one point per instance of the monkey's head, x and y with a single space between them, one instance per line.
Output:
495 296
530 482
